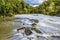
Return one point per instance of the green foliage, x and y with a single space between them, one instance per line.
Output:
50 7
12 7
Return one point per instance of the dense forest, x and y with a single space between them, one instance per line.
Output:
13 7
50 7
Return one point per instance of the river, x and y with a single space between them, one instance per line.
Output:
49 26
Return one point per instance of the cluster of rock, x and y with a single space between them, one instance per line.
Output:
28 33
28 30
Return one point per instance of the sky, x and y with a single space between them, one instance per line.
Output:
34 2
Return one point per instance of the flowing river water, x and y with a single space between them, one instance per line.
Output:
49 26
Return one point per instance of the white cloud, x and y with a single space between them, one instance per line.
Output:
34 2
35 5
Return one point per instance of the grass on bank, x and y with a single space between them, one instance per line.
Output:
6 19
5 27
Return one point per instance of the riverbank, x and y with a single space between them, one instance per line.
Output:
5 27
6 18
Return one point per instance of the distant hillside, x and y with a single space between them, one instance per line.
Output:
13 7
50 7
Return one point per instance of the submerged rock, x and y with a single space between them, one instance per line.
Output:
35 20
56 36
33 24
36 30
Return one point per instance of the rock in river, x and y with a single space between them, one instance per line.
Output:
28 31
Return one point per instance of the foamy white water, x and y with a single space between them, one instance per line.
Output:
48 25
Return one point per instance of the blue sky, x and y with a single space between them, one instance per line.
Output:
34 2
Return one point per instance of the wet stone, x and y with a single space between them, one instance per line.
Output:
36 30
41 38
36 21
23 24
28 32
33 24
